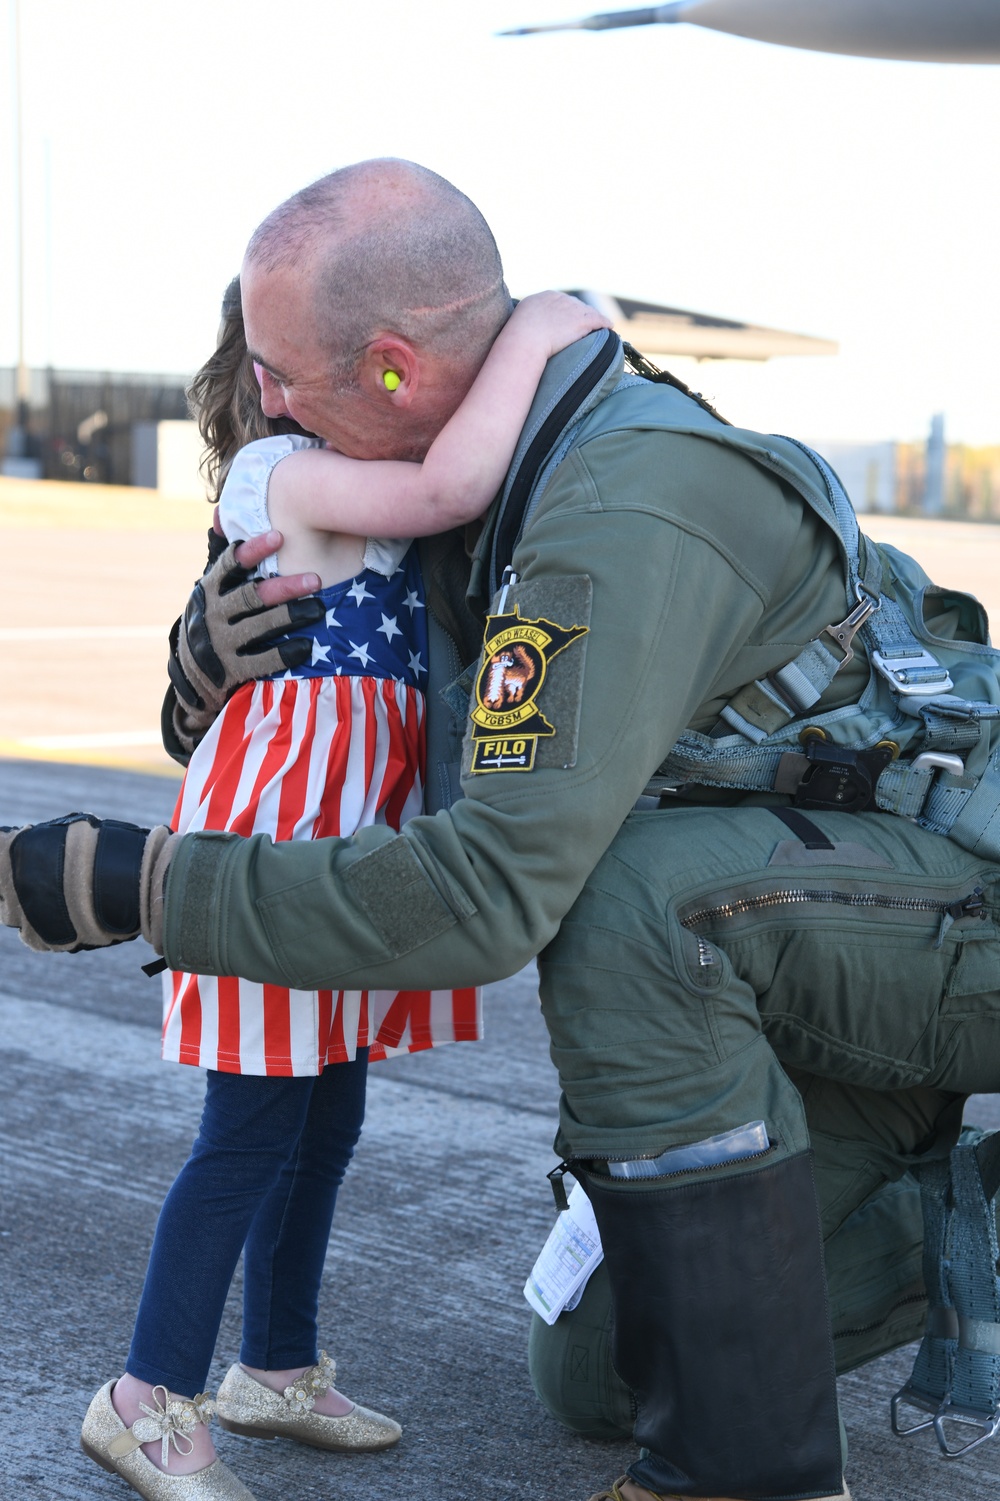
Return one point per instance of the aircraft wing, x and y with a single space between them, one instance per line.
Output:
950 31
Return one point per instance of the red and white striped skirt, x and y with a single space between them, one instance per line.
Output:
307 758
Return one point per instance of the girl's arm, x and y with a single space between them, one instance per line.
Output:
464 466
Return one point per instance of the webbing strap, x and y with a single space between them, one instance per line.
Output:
902 790
953 724
942 1323
943 807
844 522
976 1334
933 1367
956 1375
887 631
972 1282
807 678
803 828
723 763
762 708
758 711
977 827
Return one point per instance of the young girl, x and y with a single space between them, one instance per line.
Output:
331 748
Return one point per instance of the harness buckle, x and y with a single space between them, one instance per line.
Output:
838 778
908 1396
939 760
913 672
989 1423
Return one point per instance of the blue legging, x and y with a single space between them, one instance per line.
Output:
262 1178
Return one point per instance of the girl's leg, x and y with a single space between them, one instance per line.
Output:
286 1244
249 1128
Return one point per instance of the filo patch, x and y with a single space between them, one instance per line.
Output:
521 702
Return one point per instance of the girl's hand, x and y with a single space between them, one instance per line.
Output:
551 320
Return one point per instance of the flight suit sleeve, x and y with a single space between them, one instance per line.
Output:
654 609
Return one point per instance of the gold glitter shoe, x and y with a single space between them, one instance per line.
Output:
107 1441
246 1406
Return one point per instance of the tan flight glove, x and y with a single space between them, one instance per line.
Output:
81 882
226 637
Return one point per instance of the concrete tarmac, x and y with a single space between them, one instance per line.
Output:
94 577
438 1224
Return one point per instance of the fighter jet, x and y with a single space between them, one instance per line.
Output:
944 31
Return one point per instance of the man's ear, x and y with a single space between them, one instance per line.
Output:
390 371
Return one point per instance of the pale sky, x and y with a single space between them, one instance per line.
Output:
852 199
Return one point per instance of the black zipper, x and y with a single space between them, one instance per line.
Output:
968 906
558 1173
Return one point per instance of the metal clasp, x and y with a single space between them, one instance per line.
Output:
845 632
940 761
939 1414
907 1397
988 1423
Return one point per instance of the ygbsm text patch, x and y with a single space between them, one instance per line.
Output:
506 720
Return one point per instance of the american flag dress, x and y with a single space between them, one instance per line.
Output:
331 748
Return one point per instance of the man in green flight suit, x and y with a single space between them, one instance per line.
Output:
820 992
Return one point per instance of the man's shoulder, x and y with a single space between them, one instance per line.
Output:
656 444
649 411
663 456
660 441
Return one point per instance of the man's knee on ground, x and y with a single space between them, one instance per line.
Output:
877 1303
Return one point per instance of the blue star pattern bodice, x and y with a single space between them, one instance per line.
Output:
374 627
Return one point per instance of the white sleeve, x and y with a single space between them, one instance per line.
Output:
384 554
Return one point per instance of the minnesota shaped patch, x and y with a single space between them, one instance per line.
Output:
507 722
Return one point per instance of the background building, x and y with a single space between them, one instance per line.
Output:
80 423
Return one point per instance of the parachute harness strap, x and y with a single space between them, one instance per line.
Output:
930 1381
956 1375
768 715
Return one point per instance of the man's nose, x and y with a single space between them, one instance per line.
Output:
272 401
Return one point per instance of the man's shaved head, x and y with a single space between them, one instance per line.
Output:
390 247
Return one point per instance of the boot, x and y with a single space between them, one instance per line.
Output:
614 1493
721 1329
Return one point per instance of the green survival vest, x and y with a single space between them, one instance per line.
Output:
923 739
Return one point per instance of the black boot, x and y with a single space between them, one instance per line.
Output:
721 1329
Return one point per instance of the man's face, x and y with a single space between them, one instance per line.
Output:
296 379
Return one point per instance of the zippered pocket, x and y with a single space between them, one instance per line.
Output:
744 1144
971 905
701 966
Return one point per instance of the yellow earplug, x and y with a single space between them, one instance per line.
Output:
390 380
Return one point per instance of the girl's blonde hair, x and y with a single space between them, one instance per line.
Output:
224 397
